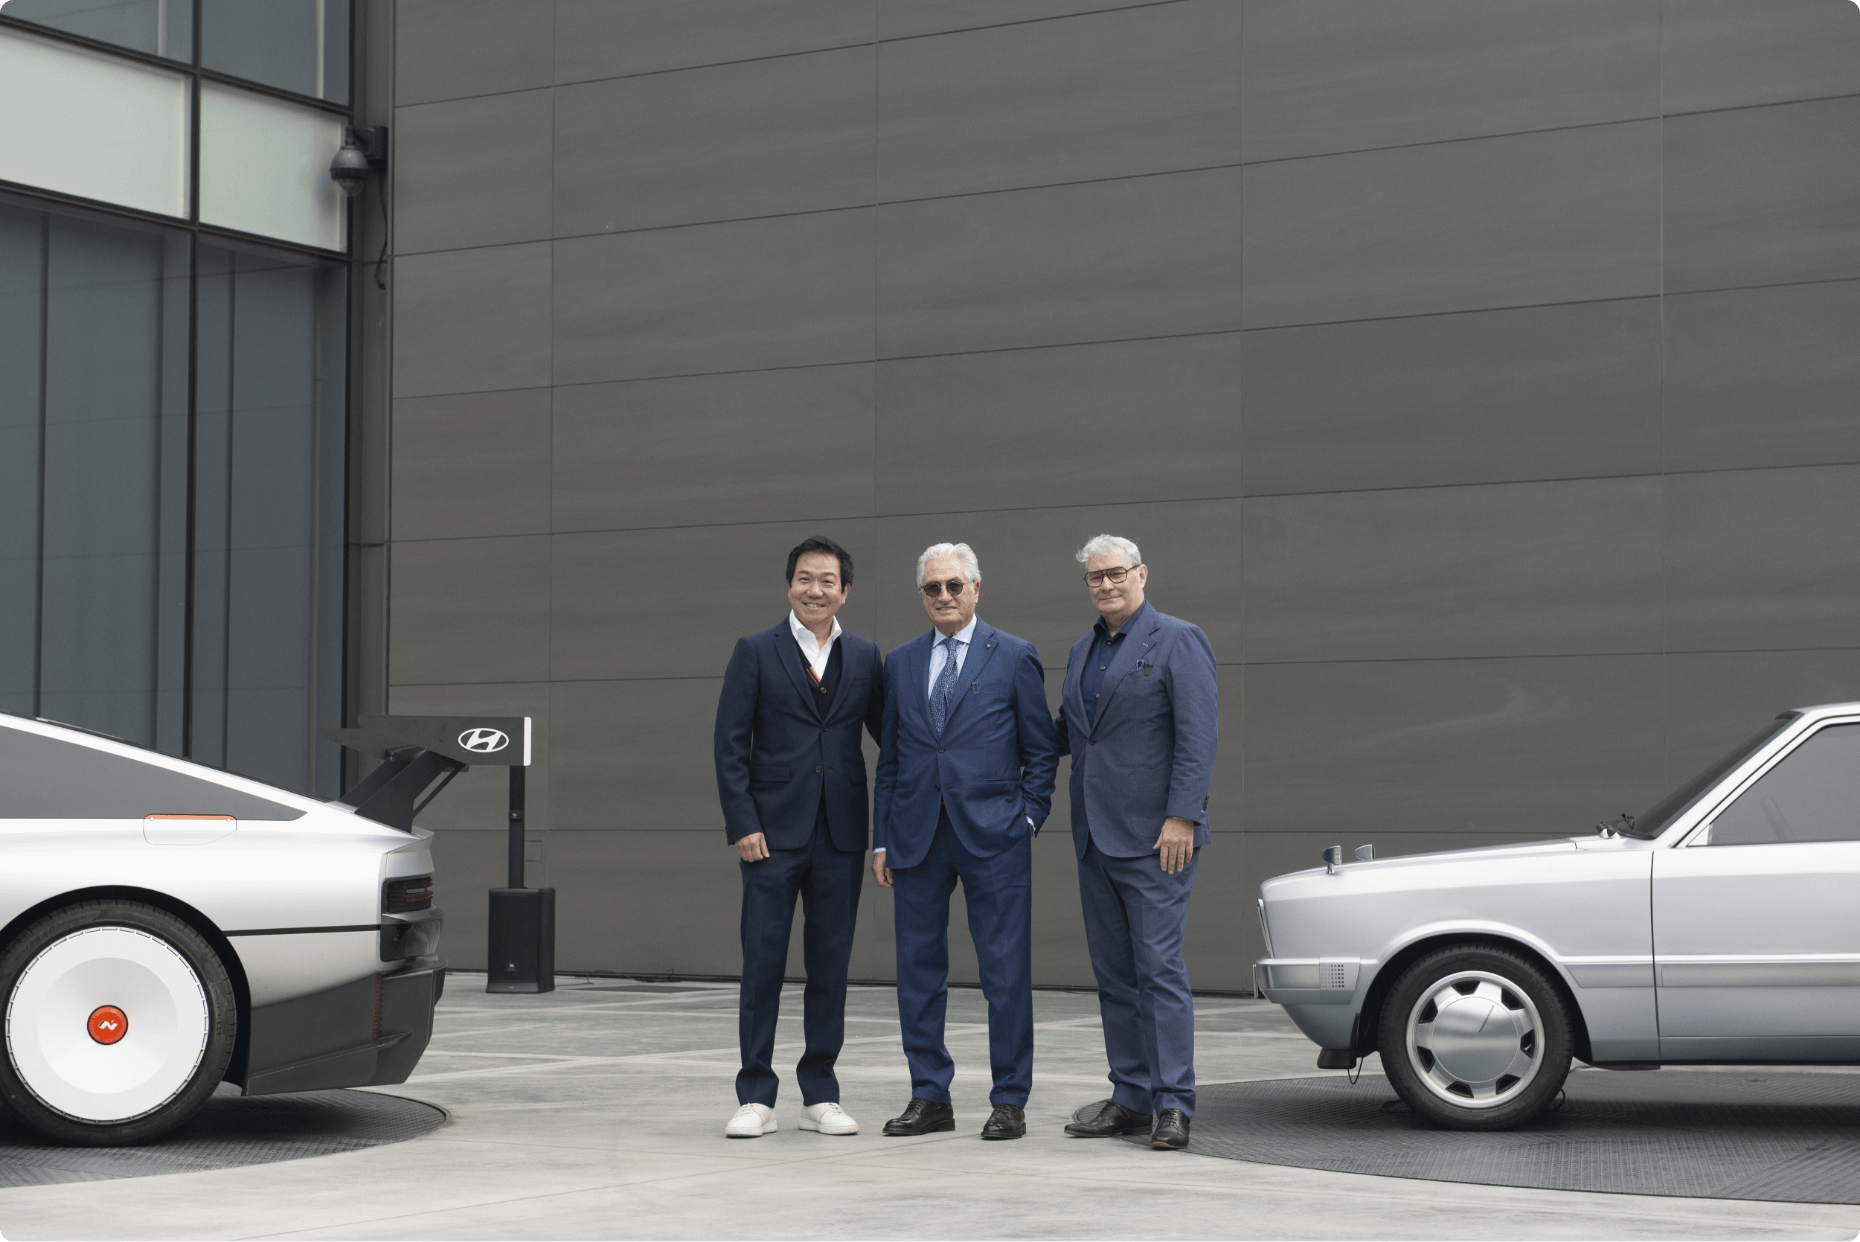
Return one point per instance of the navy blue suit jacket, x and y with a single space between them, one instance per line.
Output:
1149 753
775 756
992 769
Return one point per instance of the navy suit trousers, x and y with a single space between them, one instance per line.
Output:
999 894
1135 918
827 880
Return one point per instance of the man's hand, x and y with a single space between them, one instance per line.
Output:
752 848
880 871
1176 844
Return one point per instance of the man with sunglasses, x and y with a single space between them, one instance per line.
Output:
1138 716
791 777
965 778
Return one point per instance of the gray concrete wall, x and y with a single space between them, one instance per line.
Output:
1478 373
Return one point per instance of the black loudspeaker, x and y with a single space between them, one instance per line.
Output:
522 950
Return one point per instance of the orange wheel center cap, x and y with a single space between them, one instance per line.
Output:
108 1024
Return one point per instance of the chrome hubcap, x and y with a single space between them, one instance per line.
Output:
1474 1039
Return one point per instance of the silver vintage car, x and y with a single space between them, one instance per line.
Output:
1721 927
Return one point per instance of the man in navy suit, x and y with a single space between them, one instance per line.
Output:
791 777
965 778
1138 717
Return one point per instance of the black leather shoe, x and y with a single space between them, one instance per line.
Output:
1111 1120
1171 1133
1006 1122
922 1117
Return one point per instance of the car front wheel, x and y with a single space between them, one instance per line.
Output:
120 1022
1475 1038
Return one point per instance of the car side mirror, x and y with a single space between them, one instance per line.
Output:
1333 859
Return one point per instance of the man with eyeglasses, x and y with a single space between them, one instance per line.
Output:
1138 716
965 778
791 777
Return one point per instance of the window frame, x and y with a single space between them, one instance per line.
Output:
1699 835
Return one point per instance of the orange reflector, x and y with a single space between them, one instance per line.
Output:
108 1024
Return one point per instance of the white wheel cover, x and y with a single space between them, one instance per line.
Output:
47 1024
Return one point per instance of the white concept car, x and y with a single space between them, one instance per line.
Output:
165 927
1721 927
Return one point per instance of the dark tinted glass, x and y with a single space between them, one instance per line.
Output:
94 590
1812 795
159 27
48 778
1677 803
268 524
296 45
22 324
94 413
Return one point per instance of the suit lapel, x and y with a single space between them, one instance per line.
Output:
1137 644
917 673
1071 696
789 652
839 685
982 645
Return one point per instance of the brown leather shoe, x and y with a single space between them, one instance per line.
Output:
1008 1121
1113 1119
922 1117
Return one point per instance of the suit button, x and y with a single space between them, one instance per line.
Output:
1091 741
816 769
938 787
939 750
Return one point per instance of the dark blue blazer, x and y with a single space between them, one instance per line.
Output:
993 768
1149 755
774 754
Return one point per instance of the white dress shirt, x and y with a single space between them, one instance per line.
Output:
817 653
939 654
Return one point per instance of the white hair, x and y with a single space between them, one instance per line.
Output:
1101 544
971 568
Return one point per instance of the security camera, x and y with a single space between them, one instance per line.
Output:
364 148
349 170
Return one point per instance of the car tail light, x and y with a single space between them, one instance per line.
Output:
406 896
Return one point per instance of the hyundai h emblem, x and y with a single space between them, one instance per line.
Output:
483 741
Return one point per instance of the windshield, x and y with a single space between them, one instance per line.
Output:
1675 804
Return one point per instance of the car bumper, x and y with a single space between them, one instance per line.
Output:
1320 995
370 1032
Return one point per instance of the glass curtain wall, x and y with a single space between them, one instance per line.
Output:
188 601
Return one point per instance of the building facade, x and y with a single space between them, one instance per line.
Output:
1477 373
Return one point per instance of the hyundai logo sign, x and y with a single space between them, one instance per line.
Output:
483 741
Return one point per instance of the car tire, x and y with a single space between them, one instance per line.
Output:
119 1023
1475 1037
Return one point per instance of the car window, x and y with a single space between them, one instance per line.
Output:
1812 795
49 778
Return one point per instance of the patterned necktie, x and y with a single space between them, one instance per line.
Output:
945 688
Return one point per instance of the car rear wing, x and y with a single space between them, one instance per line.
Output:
416 751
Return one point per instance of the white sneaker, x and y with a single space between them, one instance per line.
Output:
828 1119
751 1121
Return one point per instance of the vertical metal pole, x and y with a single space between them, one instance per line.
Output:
516 825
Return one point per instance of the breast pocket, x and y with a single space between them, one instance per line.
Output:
768 774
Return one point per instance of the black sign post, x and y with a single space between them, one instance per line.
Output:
414 750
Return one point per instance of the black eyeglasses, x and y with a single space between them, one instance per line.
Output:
935 589
1113 576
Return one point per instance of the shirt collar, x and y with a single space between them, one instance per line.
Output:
1104 631
965 635
805 636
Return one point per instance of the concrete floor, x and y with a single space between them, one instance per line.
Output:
594 1113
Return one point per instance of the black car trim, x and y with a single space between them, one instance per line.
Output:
303 931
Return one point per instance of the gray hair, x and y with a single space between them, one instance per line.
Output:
971 568
1102 544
